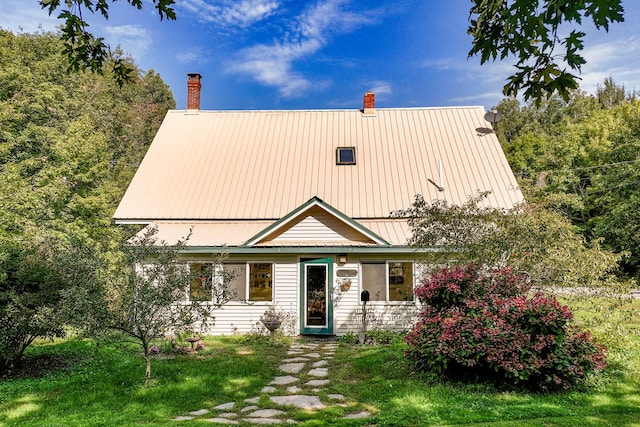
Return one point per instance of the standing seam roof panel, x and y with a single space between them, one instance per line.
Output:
263 164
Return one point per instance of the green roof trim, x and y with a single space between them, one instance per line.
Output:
315 250
316 201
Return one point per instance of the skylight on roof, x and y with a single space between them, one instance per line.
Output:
346 156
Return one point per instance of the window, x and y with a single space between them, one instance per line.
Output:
236 275
374 280
400 281
391 281
260 281
200 281
346 156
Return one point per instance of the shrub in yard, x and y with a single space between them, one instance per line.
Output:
488 327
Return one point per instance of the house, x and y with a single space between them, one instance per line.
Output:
301 201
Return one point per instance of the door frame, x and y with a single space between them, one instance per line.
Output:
316 330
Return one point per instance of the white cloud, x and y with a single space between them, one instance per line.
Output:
132 39
231 12
191 56
619 59
381 88
272 65
26 16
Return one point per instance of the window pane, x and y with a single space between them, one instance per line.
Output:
316 276
200 281
260 282
374 280
237 280
346 155
400 281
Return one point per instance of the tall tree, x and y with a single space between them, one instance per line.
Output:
531 239
583 164
610 94
87 52
69 144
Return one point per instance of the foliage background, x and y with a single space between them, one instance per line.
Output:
69 145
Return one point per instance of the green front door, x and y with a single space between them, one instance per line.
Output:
316 305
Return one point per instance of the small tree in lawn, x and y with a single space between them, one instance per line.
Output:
142 296
149 298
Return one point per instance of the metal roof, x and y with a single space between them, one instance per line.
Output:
257 166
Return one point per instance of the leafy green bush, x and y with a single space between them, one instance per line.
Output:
488 327
383 336
349 338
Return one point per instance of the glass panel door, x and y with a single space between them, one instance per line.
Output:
315 303
316 307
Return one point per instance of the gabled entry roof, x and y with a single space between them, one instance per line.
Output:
313 223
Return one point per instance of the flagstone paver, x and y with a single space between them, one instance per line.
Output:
355 415
295 359
314 383
228 415
266 413
314 355
310 359
294 389
292 368
319 372
268 421
299 401
225 406
284 380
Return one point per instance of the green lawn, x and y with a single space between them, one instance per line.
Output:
104 386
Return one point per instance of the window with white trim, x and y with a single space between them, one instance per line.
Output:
388 281
260 281
200 281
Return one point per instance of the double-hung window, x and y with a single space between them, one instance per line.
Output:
249 281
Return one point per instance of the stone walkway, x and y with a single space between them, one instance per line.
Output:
285 391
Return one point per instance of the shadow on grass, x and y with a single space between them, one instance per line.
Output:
107 386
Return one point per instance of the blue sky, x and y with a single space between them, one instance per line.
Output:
286 54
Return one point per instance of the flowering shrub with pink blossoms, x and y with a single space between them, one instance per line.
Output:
489 327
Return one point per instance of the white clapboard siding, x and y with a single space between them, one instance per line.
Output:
241 317
316 226
397 316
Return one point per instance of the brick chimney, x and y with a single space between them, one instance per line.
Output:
193 91
369 103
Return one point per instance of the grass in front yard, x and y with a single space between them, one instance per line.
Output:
105 385
379 379
75 383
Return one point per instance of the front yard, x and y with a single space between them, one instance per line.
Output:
76 383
